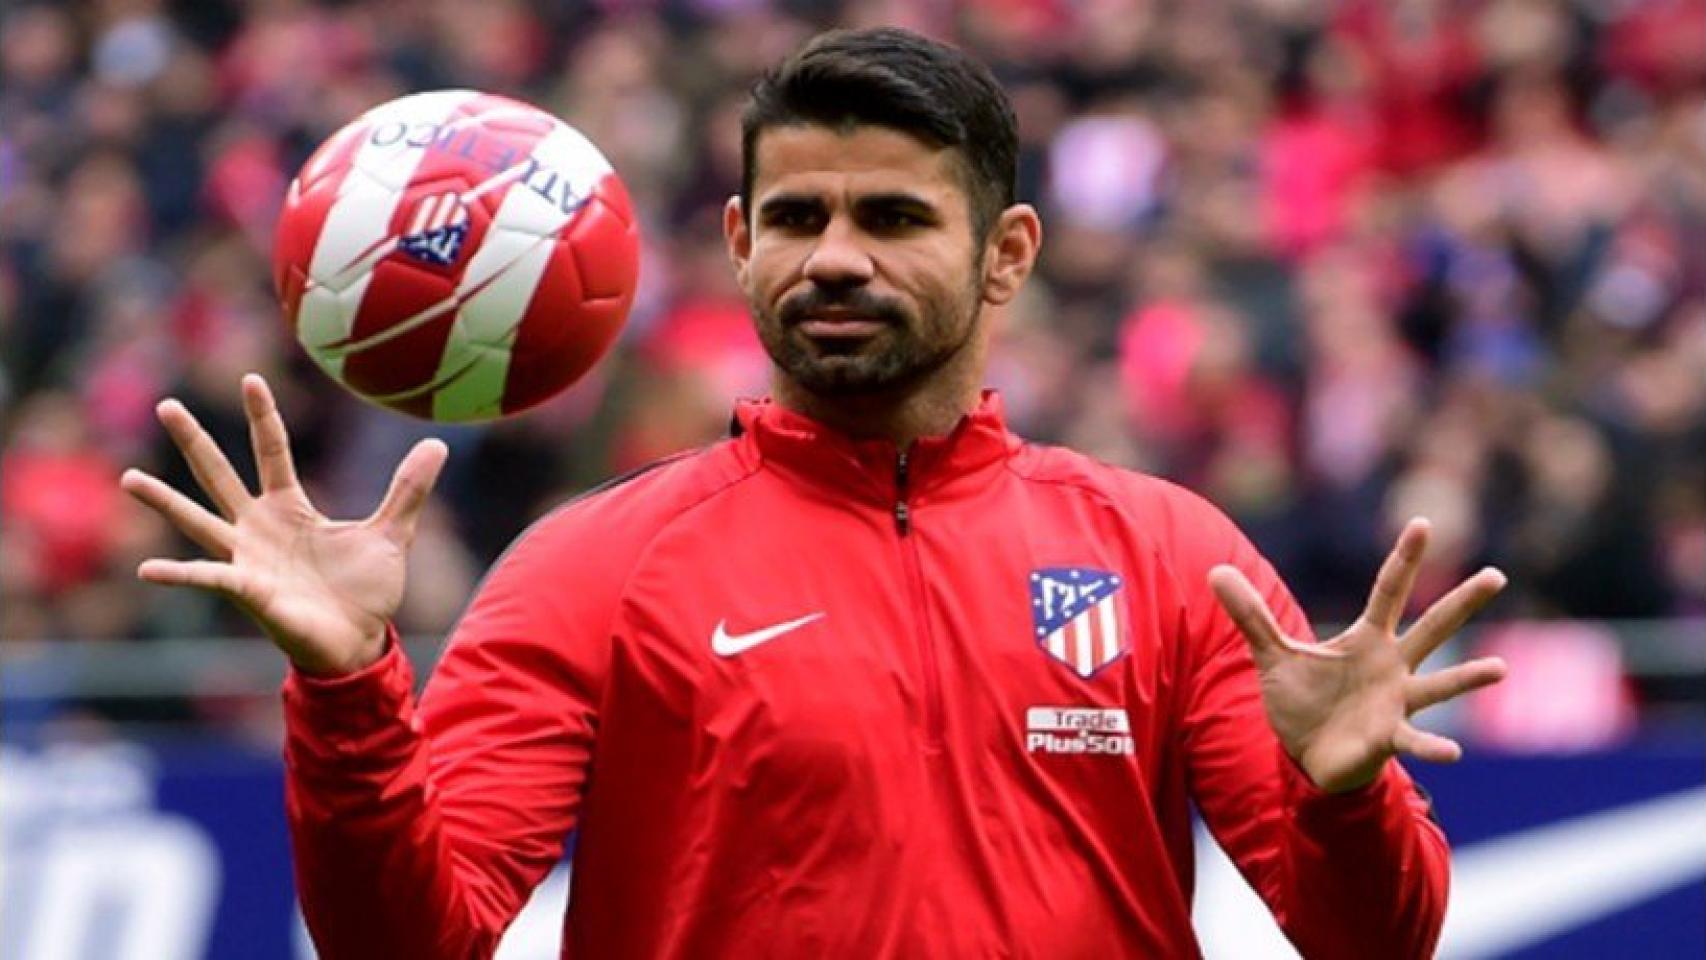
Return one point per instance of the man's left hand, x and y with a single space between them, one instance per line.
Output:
1342 708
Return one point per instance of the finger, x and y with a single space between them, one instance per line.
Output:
1449 614
202 574
211 468
1426 746
191 518
1423 692
1397 577
410 486
1247 609
267 435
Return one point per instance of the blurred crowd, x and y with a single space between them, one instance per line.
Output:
1332 264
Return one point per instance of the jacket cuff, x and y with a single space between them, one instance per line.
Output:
1321 813
343 715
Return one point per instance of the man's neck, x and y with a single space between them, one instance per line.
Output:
932 410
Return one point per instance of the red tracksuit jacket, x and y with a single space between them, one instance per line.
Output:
801 696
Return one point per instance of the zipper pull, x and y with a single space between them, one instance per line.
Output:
902 513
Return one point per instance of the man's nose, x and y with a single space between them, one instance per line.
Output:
839 258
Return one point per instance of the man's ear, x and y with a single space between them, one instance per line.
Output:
1011 254
738 237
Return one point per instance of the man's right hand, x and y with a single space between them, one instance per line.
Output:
322 589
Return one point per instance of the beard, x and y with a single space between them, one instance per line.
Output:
909 348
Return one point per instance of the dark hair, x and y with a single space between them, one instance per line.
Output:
894 78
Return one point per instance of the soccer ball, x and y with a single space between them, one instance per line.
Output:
456 256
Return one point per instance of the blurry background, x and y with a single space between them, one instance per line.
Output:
1333 264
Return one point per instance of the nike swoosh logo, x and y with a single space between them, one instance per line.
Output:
1508 892
726 644
1519 890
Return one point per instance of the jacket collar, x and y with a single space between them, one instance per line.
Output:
939 466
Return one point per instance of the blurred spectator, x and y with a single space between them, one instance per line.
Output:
1566 691
58 498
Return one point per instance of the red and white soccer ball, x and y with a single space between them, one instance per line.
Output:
456 256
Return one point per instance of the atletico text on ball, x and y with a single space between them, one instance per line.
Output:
456 256
498 156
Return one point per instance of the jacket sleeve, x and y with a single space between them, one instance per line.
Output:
420 833
1358 874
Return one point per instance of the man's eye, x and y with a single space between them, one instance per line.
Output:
793 219
895 220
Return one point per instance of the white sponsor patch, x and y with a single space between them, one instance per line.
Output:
1091 730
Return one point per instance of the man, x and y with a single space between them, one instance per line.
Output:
870 678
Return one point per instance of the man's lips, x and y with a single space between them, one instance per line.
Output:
841 326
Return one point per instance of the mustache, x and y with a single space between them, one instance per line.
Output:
856 300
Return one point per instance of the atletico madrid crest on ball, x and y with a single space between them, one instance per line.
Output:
456 256
440 225
1077 617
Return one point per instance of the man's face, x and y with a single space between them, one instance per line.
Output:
857 258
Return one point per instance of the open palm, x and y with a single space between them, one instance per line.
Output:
321 589
1342 707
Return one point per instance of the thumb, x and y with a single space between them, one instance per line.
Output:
1238 597
410 486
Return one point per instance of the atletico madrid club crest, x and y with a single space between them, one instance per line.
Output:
1077 616
437 230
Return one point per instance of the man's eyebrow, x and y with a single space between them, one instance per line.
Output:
898 199
789 201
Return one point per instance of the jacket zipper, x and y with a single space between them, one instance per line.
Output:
921 608
902 512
